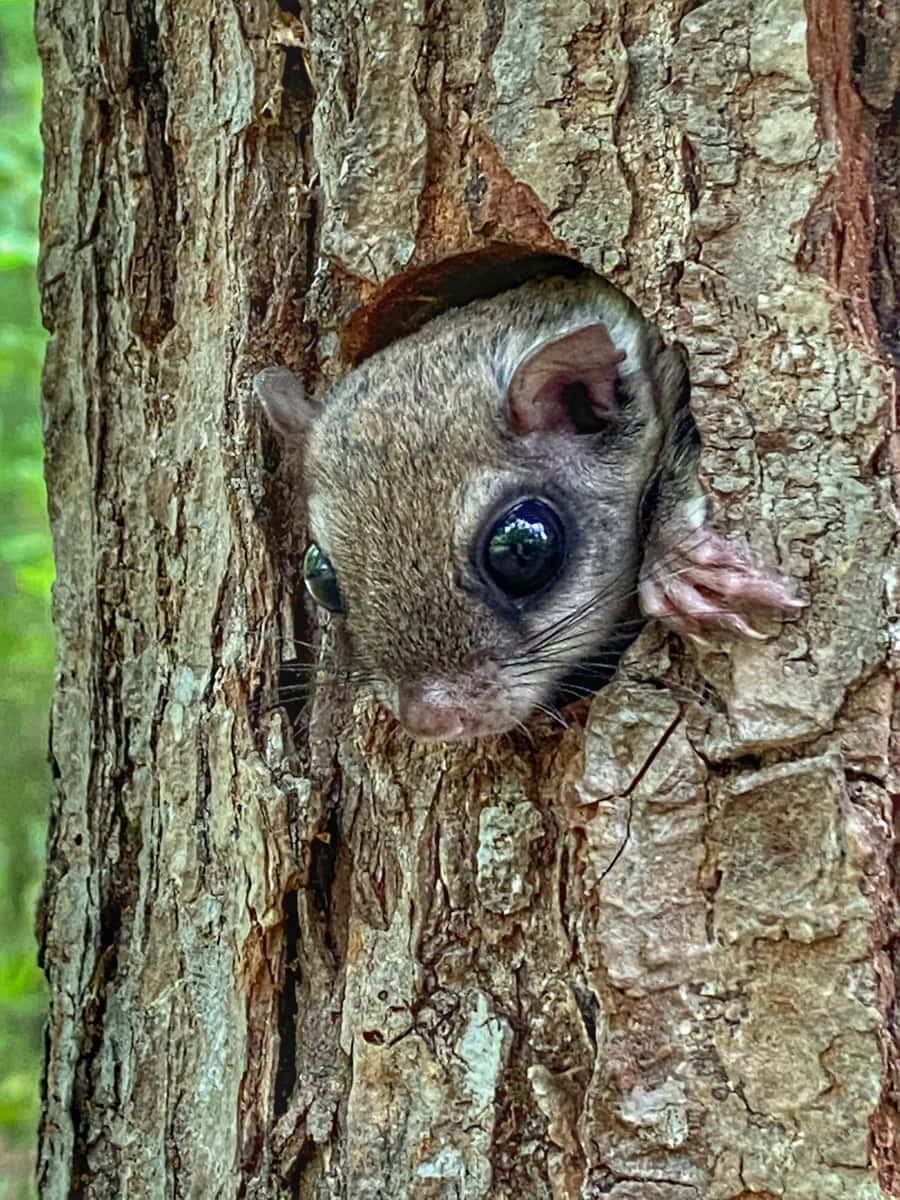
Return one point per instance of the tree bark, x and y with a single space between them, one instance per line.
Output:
650 956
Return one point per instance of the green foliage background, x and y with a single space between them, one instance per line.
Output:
26 573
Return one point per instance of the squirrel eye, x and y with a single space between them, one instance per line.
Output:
321 580
525 548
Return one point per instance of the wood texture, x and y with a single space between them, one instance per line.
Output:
651 956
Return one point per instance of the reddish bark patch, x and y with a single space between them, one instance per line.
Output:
503 207
840 226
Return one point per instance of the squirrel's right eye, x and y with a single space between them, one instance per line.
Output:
321 580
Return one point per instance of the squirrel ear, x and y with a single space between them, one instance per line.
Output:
567 384
282 397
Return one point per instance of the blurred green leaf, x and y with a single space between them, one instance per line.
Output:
16 250
22 548
26 572
36 578
19 976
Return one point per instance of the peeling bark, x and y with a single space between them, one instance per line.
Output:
651 956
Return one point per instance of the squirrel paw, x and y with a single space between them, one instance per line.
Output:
700 585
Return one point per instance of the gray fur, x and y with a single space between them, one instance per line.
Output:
414 450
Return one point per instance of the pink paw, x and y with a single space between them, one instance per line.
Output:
701 584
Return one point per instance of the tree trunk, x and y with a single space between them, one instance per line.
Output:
650 956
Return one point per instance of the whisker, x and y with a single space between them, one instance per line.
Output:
524 728
566 641
579 691
544 660
575 615
552 712
358 678
270 708
535 677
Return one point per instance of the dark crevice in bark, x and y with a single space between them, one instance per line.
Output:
589 1007
286 1071
203 791
295 79
120 842
600 1184
152 267
322 869
885 274
299 103
876 76
84 1137
312 226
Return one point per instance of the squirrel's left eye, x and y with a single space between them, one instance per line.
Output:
321 580
525 549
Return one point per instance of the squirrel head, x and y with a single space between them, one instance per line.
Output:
474 495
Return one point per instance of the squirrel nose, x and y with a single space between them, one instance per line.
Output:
429 719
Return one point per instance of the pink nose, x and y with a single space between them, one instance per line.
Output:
424 719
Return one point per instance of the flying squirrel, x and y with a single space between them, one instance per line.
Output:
495 499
